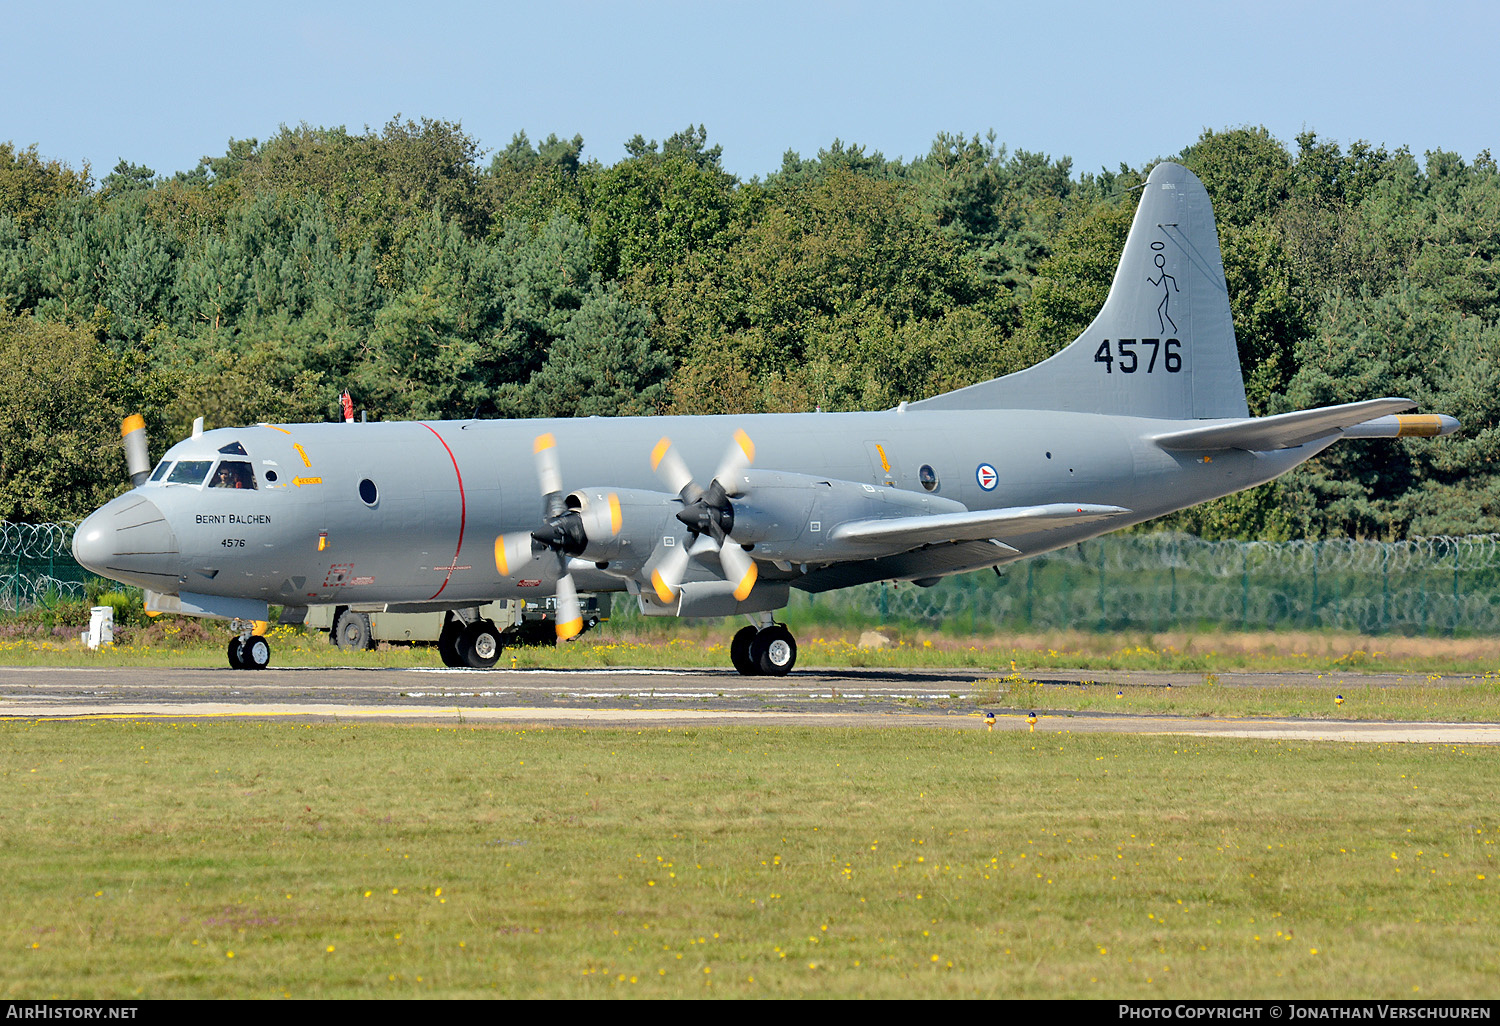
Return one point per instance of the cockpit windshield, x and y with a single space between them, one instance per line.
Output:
228 472
190 472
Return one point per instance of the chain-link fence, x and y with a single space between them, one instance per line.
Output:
1164 581
1134 581
36 561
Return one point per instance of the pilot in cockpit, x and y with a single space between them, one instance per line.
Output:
233 475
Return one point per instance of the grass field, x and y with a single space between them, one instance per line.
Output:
1435 698
243 859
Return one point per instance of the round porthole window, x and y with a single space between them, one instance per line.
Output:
271 476
367 492
928 477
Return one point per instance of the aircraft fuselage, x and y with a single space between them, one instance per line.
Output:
408 512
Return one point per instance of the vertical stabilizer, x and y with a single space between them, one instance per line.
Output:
1162 346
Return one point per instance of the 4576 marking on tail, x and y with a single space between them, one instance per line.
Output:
1131 359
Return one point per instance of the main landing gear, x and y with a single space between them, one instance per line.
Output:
475 644
247 649
768 650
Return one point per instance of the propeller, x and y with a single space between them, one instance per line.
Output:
564 532
709 517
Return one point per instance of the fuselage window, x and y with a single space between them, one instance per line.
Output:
928 477
161 470
367 492
190 472
233 474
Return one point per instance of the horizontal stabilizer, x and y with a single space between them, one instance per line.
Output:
1286 430
898 534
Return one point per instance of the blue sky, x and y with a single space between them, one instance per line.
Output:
164 84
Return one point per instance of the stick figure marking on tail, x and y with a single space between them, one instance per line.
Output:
1163 309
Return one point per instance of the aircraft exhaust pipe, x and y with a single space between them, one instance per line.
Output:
137 452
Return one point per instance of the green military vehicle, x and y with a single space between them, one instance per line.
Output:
520 622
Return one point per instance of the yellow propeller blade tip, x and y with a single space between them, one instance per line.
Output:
568 630
134 422
546 441
663 592
747 583
746 446
660 452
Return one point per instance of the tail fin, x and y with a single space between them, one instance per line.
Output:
1162 346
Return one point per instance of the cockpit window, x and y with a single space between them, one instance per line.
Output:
233 474
233 449
161 470
190 472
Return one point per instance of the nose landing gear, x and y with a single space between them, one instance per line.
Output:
248 650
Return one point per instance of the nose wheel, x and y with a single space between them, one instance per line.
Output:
251 652
764 651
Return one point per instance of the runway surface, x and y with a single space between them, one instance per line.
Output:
640 697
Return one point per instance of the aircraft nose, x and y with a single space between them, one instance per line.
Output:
93 542
127 539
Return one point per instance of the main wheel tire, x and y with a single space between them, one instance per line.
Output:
235 662
351 631
774 650
255 653
481 645
450 643
739 651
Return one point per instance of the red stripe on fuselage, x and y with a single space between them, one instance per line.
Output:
463 511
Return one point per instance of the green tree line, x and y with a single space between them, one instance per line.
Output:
433 282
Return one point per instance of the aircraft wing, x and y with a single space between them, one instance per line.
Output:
898 534
919 564
1285 430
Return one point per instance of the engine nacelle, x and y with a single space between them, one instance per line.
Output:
716 598
624 525
791 516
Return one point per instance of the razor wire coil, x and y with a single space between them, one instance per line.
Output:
18 591
36 541
37 565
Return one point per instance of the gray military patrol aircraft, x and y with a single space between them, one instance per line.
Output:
1142 415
